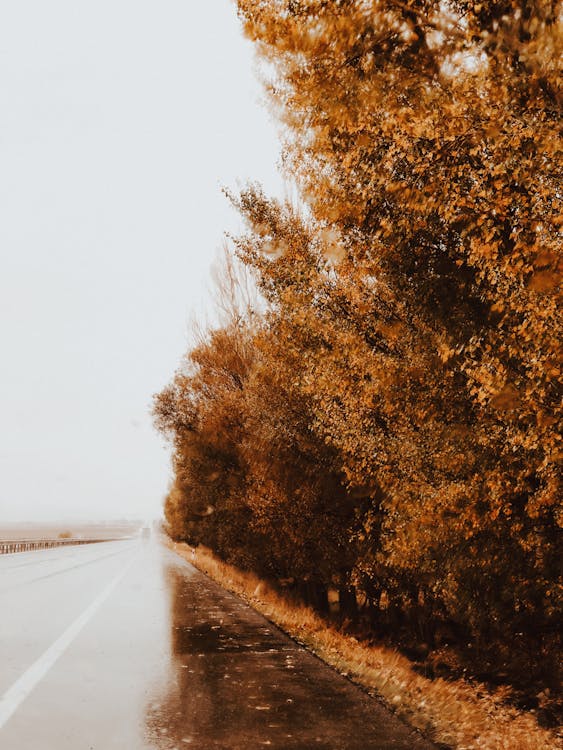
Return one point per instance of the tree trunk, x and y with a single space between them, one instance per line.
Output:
348 602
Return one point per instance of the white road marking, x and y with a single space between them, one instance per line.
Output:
22 687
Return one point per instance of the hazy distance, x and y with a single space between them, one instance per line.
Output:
121 120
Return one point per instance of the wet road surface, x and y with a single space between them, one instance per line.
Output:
123 645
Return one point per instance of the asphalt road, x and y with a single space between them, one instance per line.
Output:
125 646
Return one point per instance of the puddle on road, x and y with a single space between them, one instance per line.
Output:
237 684
204 638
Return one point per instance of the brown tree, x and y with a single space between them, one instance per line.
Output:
388 416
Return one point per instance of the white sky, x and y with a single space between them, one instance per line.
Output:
119 122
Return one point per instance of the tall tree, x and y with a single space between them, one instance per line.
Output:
388 414
425 137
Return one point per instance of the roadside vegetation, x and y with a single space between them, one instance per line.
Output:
379 411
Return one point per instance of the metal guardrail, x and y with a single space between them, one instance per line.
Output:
8 546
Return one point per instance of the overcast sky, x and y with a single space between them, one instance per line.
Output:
119 122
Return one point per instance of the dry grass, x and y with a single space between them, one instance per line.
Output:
458 714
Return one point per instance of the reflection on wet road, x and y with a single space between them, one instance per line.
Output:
241 683
165 659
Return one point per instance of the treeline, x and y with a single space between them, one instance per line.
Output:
386 420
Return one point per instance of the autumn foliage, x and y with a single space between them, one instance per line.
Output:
385 420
